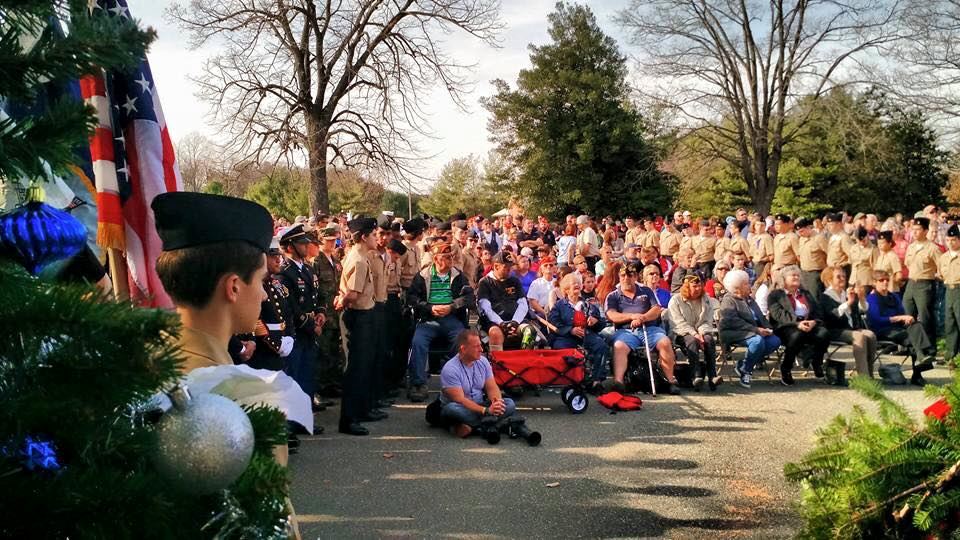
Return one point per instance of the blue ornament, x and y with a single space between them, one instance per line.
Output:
37 234
39 454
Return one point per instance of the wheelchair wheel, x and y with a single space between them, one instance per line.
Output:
566 393
578 402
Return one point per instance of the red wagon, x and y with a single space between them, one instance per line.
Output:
544 367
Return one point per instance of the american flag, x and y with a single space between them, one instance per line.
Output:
133 162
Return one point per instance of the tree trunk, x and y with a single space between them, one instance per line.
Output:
762 196
317 162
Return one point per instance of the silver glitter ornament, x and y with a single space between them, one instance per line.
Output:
204 442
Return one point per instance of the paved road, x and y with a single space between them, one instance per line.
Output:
691 466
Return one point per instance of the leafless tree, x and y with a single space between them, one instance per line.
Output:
342 81
926 64
732 69
200 161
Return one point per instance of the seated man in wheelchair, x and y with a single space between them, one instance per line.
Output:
634 312
503 306
575 323
440 298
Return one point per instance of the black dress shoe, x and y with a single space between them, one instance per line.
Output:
918 380
353 428
926 365
374 415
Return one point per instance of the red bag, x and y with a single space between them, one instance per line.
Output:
619 402
579 319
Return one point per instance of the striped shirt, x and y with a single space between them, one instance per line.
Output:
440 293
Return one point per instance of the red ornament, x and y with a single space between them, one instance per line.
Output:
939 409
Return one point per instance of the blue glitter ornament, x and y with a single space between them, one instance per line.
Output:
37 234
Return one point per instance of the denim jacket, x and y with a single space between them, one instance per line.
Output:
561 316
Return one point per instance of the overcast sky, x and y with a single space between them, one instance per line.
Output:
457 133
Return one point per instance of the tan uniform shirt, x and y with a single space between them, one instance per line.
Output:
862 260
669 242
686 241
357 277
786 249
409 264
889 263
741 244
761 247
633 236
950 268
378 269
813 253
393 274
922 260
722 249
200 349
650 239
704 246
838 249
470 264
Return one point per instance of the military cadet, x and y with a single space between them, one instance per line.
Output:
863 256
839 243
356 299
275 328
396 320
410 262
812 255
921 260
888 260
949 269
635 233
378 269
761 246
704 246
721 252
327 268
651 237
786 244
669 241
471 261
299 279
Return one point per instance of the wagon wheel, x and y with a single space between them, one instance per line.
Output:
578 402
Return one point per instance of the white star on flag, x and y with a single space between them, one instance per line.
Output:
144 84
129 105
119 11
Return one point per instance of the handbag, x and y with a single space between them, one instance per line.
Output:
891 375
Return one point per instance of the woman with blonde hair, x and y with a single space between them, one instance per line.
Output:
691 319
843 312
576 323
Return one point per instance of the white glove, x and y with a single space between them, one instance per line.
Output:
286 346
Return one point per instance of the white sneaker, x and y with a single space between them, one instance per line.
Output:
745 380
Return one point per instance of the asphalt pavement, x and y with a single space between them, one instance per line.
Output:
698 465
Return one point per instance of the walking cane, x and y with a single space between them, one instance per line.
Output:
646 349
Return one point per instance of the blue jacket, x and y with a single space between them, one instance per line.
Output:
561 316
880 309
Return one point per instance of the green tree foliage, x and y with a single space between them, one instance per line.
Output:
467 185
885 476
853 153
569 129
284 192
399 204
33 54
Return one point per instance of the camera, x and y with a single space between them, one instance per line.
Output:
517 429
490 429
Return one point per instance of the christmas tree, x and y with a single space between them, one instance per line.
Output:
884 476
79 434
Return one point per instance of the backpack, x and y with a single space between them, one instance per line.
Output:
616 401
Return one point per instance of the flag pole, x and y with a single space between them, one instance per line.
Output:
118 275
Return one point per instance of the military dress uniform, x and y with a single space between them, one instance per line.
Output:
301 282
863 257
360 329
920 292
378 269
704 247
669 243
275 323
889 262
949 267
839 246
396 357
761 251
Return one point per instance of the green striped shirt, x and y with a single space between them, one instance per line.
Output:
440 288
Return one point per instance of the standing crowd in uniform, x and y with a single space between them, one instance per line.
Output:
360 309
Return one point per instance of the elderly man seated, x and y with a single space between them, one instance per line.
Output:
470 392
634 312
502 302
440 298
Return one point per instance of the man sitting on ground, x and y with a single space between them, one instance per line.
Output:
502 302
469 389
633 310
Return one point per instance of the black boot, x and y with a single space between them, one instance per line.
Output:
839 370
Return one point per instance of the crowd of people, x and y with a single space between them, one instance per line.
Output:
356 307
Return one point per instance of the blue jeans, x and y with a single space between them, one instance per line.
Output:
758 347
459 414
596 349
423 336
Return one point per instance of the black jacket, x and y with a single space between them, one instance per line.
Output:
419 293
835 321
781 312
